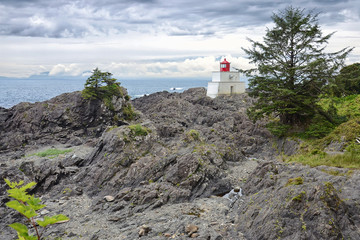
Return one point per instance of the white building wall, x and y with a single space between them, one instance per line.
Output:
225 83
216 77
212 90
230 88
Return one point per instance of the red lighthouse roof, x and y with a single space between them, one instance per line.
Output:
224 66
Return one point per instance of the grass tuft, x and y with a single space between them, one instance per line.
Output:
51 152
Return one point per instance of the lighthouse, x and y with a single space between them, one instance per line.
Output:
225 82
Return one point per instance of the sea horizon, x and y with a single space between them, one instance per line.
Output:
16 90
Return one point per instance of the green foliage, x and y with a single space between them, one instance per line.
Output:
347 107
312 150
109 129
128 112
346 160
101 85
51 152
192 135
27 205
337 173
292 68
299 197
138 130
348 81
52 220
347 131
318 128
295 181
277 128
22 231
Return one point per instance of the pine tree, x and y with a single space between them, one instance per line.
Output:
292 69
100 85
93 84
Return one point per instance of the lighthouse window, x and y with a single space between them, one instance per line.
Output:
223 66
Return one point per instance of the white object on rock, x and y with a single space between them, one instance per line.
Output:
109 198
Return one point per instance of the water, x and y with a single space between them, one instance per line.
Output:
14 91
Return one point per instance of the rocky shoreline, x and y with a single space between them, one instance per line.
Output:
163 175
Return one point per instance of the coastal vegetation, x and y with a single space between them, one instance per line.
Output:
28 206
315 149
293 72
53 152
306 93
348 81
138 130
101 85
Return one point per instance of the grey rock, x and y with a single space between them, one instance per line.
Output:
319 208
66 118
166 179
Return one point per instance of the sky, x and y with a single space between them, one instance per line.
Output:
150 38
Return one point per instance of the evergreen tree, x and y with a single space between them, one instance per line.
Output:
101 84
292 69
348 81
93 84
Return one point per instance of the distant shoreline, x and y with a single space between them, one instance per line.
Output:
15 91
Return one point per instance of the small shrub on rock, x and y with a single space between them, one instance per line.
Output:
295 181
192 135
138 130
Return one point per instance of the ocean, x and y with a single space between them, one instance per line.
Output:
14 91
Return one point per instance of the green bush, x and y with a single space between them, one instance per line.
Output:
138 130
278 129
295 181
128 111
318 128
348 131
192 135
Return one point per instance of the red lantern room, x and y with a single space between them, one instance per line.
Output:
224 66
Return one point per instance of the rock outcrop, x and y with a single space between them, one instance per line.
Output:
67 118
298 202
165 174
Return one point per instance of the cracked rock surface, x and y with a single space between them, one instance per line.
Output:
164 175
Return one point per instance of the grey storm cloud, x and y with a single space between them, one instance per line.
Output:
66 18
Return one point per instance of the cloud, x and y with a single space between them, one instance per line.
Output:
66 18
67 70
189 67
149 37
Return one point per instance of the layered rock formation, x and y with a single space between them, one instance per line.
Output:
65 118
163 175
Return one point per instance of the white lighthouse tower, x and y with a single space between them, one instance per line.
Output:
225 82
